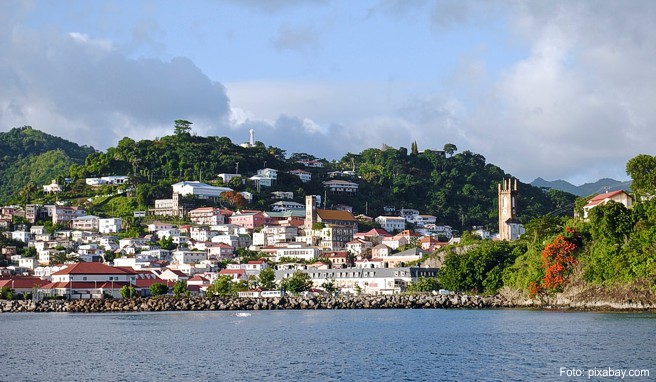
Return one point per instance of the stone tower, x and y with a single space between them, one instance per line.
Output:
507 208
310 211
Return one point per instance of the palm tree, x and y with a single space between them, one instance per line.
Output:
26 192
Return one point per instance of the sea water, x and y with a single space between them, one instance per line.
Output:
329 345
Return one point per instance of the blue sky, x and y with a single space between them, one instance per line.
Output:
560 90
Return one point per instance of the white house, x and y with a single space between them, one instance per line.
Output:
305 176
286 206
226 178
262 181
408 213
369 280
107 180
206 216
391 223
297 251
268 173
188 257
282 195
52 188
614 196
199 190
157 226
110 225
422 220
89 280
341 186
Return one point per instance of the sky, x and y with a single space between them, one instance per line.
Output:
551 89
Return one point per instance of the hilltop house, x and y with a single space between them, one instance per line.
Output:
305 176
614 196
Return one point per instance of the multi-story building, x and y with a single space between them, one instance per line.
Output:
110 225
286 206
297 251
206 216
365 280
199 190
272 235
249 220
305 176
85 223
391 223
65 215
341 186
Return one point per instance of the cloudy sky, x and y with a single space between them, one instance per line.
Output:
560 90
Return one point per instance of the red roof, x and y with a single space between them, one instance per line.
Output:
232 272
85 285
22 282
378 232
601 197
92 268
256 262
198 278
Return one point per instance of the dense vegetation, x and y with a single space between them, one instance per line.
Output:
615 246
459 188
31 157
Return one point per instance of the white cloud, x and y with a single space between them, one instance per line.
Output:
86 90
97 43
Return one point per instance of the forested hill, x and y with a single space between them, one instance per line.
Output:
460 189
32 156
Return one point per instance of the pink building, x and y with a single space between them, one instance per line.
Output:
249 220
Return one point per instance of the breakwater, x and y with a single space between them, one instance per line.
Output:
405 301
169 303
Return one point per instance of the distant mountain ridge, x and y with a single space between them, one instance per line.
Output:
587 189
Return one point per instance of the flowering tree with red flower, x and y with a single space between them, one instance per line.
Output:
557 260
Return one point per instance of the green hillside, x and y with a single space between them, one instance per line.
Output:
460 189
29 156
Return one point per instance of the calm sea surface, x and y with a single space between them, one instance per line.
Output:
343 345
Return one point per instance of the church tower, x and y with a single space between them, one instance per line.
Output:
310 211
508 209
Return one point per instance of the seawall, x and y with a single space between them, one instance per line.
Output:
169 303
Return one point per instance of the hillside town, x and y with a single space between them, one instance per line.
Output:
89 257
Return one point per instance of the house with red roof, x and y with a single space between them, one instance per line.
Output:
430 244
146 278
359 247
234 274
23 284
88 280
619 196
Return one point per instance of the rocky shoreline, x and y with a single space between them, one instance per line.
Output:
310 303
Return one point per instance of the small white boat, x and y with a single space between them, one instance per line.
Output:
242 314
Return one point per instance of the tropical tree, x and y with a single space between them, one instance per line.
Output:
158 289
297 283
267 279
182 126
222 286
424 284
642 170
180 288
6 293
450 149
128 291
329 286
27 191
